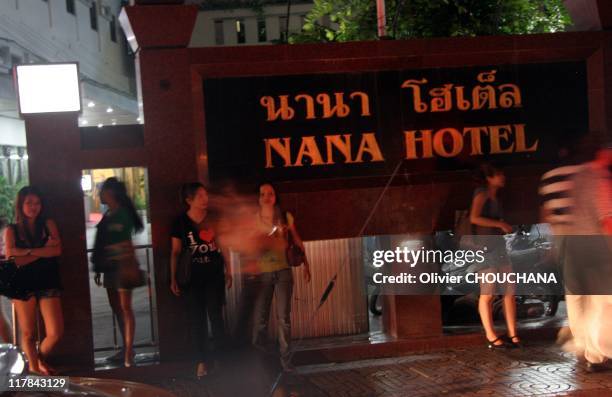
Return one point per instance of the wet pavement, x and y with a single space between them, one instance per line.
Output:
540 369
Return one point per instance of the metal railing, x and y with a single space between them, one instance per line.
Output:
142 252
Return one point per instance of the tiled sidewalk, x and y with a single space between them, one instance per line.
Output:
537 370
542 370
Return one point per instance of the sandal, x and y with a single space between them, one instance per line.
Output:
129 359
492 344
201 370
514 341
45 369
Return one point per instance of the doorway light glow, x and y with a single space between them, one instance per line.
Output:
86 183
48 88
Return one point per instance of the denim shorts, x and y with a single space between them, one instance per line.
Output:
43 293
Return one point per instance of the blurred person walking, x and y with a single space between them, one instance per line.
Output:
588 279
206 275
486 218
115 257
556 192
274 227
34 243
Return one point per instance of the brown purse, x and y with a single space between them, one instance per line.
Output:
295 254
129 273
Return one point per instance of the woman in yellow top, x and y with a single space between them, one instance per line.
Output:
275 276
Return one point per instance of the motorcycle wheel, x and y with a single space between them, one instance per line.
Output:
553 305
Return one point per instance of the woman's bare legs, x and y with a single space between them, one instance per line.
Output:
115 304
5 331
53 318
485 309
26 317
129 323
510 308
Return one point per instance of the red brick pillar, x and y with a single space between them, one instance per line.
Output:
162 34
412 315
53 150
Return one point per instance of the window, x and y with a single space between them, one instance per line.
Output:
240 33
93 16
262 35
219 33
113 29
70 7
282 23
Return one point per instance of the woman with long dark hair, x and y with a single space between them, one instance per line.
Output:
275 276
195 231
34 242
486 217
114 256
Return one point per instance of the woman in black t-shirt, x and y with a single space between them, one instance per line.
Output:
193 230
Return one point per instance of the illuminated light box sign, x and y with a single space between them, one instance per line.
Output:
48 88
283 128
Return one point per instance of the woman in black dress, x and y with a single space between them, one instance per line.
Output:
34 242
486 217
114 245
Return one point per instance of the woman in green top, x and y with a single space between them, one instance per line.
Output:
275 276
113 242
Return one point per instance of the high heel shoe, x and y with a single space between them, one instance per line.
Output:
45 369
514 344
129 360
492 344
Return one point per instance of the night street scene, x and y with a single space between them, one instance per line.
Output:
305 198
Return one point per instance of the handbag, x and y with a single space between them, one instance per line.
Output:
183 268
183 265
295 254
131 276
129 273
8 271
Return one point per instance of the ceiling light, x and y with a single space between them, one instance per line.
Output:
91 104
109 110
100 125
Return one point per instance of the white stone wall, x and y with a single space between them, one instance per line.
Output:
204 31
44 31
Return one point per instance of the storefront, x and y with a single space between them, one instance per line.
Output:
362 139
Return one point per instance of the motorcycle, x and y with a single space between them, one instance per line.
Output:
529 251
